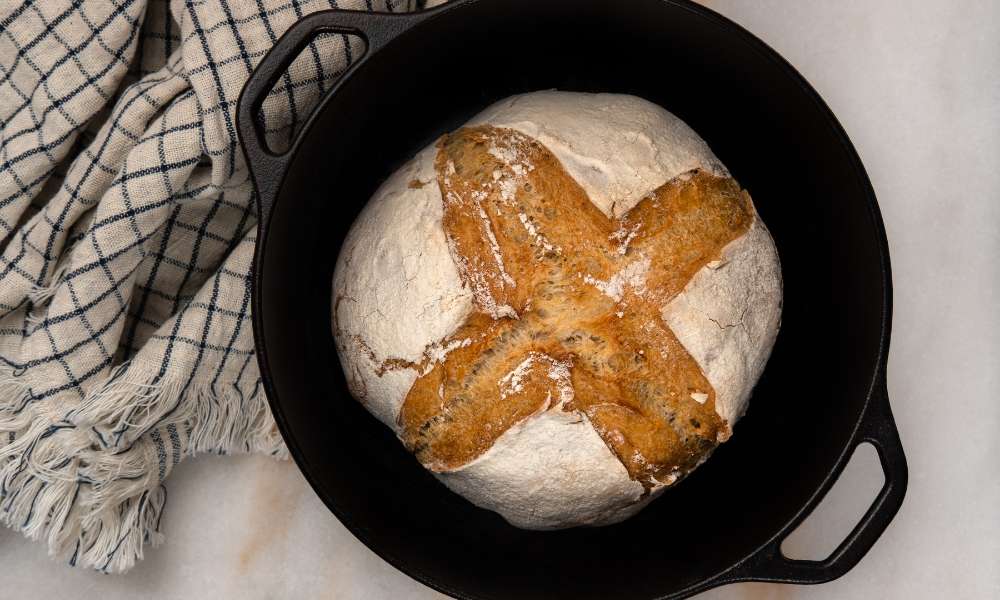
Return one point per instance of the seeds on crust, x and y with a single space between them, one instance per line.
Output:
561 288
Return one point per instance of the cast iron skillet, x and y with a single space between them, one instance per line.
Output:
823 392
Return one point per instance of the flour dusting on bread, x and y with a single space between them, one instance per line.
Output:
581 316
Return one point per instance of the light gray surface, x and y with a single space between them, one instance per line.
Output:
917 86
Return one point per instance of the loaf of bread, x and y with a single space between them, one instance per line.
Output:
560 308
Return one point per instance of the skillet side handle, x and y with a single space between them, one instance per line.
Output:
268 167
769 564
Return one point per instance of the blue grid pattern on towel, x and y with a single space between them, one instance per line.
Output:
127 229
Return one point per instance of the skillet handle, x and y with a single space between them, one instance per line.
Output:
769 564
266 166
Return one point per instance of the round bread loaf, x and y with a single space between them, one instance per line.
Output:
561 308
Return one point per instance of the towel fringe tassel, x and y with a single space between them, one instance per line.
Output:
89 483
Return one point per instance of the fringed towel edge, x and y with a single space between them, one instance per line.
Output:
90 482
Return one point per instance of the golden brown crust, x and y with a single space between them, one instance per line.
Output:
568 308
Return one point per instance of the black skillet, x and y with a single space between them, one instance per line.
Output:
823 392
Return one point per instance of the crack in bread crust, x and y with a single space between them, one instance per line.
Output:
568 308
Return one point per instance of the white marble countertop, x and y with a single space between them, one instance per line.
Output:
917 86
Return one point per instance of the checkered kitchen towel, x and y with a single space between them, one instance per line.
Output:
126 235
